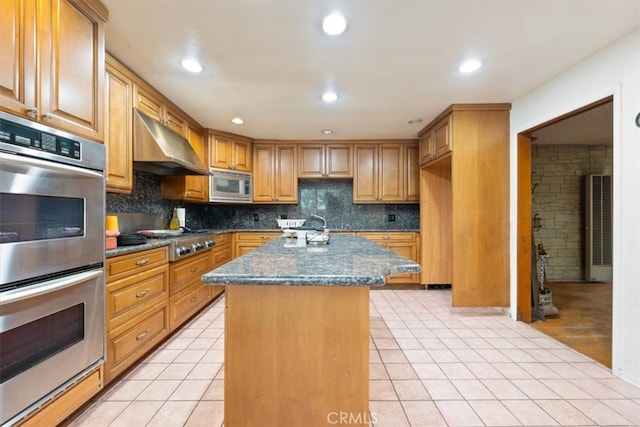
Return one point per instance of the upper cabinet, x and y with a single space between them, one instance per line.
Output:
325 160
383 173
274 173
437 141
152 104
118 128
227 151
192 188
52 56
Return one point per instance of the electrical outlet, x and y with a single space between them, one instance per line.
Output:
391 218
256 217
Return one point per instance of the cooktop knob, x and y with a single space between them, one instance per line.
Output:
209 243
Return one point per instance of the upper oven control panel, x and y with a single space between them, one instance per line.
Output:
22 136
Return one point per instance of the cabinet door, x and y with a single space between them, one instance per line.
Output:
220 156
311 161
148 103
118 132
73 73
412 174
391 173
263 172
442 140
241 156
408 250
196 187
286 178
338 161
425 148
17 56
175 122
365 174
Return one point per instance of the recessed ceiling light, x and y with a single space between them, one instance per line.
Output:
237 121
470 66
334 24
329 96
414 121
327 131
192 65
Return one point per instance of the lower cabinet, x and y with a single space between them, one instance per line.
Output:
187 293
246 242
402 243
220 255
137 292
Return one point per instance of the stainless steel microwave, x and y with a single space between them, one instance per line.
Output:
226 186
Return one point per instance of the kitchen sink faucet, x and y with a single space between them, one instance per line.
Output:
324 222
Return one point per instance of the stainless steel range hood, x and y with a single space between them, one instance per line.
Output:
161 151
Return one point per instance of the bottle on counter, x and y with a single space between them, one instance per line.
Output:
175 222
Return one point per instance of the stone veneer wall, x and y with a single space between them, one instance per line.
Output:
328 198
558 199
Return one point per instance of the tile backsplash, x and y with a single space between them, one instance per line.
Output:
331 199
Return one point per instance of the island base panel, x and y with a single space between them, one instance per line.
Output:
296 355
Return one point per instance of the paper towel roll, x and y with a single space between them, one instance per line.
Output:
180 212
111 223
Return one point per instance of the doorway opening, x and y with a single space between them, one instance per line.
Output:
558 164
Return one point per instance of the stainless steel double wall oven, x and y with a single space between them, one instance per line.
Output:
52 204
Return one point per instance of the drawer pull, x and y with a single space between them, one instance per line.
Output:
144 334
143 293
142 261
194 299
194 269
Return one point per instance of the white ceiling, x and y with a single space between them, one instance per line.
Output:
590 127
268 61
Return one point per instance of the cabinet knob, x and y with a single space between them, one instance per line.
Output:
48 116
33 112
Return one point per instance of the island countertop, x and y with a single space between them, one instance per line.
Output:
345 261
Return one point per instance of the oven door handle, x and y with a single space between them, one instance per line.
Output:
22 163
19 294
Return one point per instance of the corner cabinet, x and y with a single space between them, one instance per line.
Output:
464 207
385 173
227 151
275 178
325 160
52 55
191 188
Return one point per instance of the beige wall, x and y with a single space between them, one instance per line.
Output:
558 199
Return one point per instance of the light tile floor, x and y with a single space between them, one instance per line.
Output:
430 365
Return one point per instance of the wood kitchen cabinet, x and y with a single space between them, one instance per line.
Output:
187 293
137 315
118 128
464 208
275 178
221 254
437 141
191 188
403 243
150 102
325 160
246 242
382 173
52 56
228 151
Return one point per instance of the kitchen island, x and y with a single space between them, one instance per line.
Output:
297 330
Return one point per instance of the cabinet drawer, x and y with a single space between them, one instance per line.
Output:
185 272
257 237
221 256
126 265
135 338
126 298
221 239
182 306
390 236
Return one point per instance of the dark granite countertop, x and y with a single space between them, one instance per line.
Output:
123 250
345 261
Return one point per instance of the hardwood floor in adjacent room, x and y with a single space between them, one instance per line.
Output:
584 319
